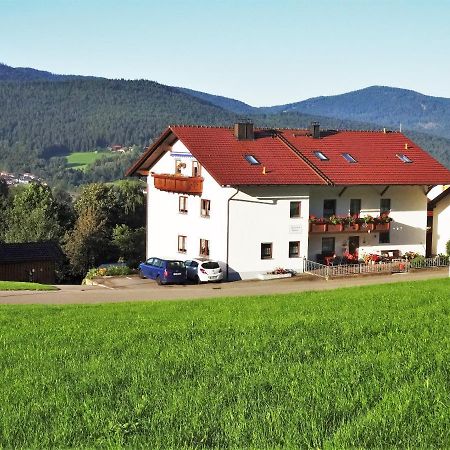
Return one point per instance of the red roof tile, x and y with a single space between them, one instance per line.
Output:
288 157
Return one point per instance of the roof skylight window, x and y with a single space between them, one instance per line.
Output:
321 156
252 160
404 158
349 158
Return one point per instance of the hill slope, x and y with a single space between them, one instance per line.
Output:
385 106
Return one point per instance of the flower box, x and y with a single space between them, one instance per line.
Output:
335 227
351 227
367 226
318 227
273 276
382 226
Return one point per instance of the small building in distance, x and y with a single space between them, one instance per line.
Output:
31 261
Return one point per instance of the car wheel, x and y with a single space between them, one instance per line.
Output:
197 279
158 281
141 275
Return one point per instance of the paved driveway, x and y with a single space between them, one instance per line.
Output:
118 289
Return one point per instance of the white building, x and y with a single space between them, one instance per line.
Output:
244 197
440 205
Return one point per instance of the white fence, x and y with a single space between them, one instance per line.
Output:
395 266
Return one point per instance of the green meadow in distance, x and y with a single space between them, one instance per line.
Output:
362 367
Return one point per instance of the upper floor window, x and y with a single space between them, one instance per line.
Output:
404 158
179 165
355 207
204 247
329 208
182 204
321 156
385 206
349 158
205 207
295 209
252 160
196 169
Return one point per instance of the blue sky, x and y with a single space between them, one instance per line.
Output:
262 52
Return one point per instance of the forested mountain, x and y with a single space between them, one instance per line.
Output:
44 119
380 105
8 73
384 106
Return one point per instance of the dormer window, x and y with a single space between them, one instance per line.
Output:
403 158
252 160
321 156
349 158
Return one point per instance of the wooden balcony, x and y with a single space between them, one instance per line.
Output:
178 183
330 228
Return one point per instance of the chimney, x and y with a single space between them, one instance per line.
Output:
243 130
314 130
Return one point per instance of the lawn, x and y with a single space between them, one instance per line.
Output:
362 368
80 160
20 286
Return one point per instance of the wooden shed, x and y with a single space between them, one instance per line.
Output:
30 261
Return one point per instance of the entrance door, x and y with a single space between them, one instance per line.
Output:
353 245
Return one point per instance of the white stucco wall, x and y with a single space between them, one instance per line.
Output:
408 211
441 226
262 215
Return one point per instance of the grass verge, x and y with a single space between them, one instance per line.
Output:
363 368
21 286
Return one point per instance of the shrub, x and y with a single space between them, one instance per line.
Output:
447 248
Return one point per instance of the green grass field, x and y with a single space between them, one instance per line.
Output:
353 368
80 160
19 286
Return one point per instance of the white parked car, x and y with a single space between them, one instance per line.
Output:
203 270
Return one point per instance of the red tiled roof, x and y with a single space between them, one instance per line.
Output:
223 156
375 153
288 157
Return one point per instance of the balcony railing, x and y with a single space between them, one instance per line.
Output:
348 228
178 183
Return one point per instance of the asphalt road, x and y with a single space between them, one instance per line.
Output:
125 289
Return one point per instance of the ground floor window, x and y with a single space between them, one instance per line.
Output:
328 245
266 250
204 247
385 237
294 249
182 244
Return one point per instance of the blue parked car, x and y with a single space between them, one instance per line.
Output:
164 271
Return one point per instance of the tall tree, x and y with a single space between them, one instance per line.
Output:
88 244
32 216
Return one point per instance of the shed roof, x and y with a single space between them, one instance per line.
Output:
29 252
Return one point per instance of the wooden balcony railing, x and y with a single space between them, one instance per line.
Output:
178 183
348 228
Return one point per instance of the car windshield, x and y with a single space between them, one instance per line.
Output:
175 265
210 265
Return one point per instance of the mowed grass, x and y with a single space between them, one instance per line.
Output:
353 368
21 286
80 160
